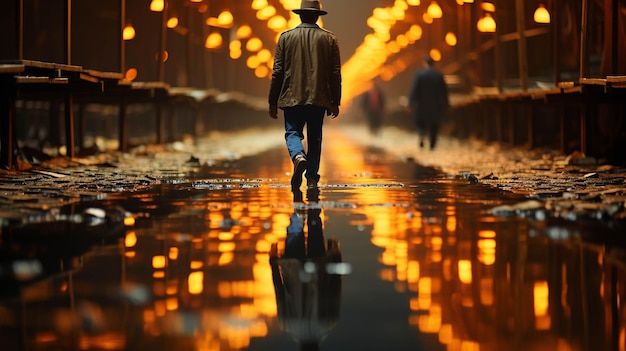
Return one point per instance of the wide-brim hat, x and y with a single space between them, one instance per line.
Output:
310 6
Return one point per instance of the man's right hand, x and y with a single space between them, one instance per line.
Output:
273 111
333 111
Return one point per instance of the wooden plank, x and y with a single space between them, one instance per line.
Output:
616 82
104 75
593 81
89 78
32 80
11 68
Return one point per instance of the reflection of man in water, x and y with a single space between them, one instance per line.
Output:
307 296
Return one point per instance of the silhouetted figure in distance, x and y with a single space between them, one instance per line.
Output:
428 101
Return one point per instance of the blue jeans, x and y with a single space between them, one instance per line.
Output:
295 119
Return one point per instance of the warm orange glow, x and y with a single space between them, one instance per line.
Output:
225 236
165 55
266 13
129 221
235 54
171 304
541 14
486 24
413 271
129 32
158 274
259 4
254 44
158 262
486 291
424 293
541 294
157 5
234 45
487 251
445 334
213 41
451 39
226 259
130 240
196 264
277 23
428 19
252 62
131 74
226 247
434 10
173 254
172 22
244 32
196 282
264 55
431 322
413 2
415 32
435 54
488 6
465 271
225 19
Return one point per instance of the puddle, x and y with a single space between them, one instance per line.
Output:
386 255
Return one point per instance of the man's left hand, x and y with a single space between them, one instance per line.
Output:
273 111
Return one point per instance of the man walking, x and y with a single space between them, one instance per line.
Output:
306 85
428 99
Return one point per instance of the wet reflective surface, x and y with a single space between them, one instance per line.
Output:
386 255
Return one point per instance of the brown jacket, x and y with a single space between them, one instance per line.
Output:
307 68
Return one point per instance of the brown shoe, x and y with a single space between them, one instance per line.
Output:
299 166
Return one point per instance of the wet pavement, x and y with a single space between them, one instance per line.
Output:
206 247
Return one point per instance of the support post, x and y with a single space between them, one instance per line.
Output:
521 45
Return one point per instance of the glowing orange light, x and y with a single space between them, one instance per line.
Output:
451 39
254 44
213 41
158 262
129 32
130 221
244 32
131 239
157 5
196 282
541 14
435 54
486 24
172 22
434 10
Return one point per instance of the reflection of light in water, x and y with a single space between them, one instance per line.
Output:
158 262
196 282
487 251
465 271
131 239
541 294
173 253
486 291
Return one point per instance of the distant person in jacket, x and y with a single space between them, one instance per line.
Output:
373 105
428 100
306 85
